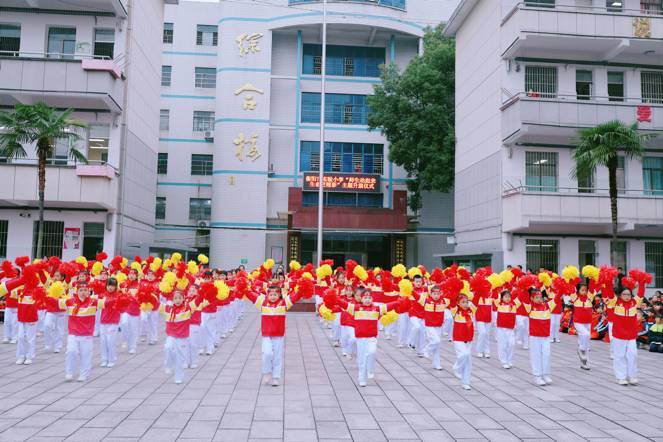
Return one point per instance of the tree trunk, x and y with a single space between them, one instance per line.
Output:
612 183
42 149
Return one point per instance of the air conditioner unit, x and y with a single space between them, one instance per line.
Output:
202 224
209 135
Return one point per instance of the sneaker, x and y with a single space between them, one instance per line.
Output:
525 347
337 344
547 380
152 343
20 361
27 361
178 382
111 365
509 365
582 355
486 355
209 353
57 350
13 341
400 346
466 387
103 364
201 351
387 336
68 377
344 354
82 379
47 348
132 351
193 366
421 355
5 341
585 365
372 376
362 384
505 366
539 381
479 355
275 382
633 381
622 381
557 340
437 367
552 340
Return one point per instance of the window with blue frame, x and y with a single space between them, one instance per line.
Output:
339 108
398 4
347 61
342 157
652 175
343 199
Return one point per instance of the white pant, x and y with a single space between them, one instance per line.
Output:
208 326
583 331
148 322
27 340
506 341
625 361
348 340
336 328
403 327
483 337
108 338
522 329
176 356
272 355
97 323
194 344
366 348
539 355
11 324
612 347
433 338
463 364
41 314
130 329
448 326
554 325
54 329
79 349
417 337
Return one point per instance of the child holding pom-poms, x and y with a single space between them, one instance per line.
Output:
54 321
463 334
130 322
434 308
10 325
506 323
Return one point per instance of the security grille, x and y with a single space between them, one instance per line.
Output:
542 253
205 78
168 33
201 164
203 121
160 209
348 113
349 67
10 40
541 81
4 227
317 65
541 171
586 252
652 87
52 239
162 163
618 249
166 75
164 119
654 262
104 42
200 209
207 35
93 239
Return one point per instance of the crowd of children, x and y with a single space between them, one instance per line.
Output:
71 302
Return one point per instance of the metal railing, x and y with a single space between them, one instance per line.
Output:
510 190
53 162
395 4
618 11
55 55
592 99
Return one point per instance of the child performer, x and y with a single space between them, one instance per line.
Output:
54 320
130 322
435 307
539 334
506 322
273 307
624 333
555 322
348 340
463 333
149 314
366 316
416 337
195 342
582 320
522 323
110 322
484 317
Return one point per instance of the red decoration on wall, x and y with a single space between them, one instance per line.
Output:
644 114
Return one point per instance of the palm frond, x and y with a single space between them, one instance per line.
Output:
77 155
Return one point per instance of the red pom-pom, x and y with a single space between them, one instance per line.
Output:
629 283
403 305
640 276
8 269
463 274
480 286
437 276
21 261
101 256
452 287
330 298
517 273
306 288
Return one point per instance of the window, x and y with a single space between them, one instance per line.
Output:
201 164
207 35
104 41
586 183
542 253
160 208
339 108
615 86
205 78
52 240
583 85
541 171
541 81
164 119
586 253
652 175
653 262
98 142
4 228
166 75
651 7
619 249
168 32
621 175
343 199
652 87
200 209
61 42
540 3
342 157
162 163
614 5
203 121
354 61
10 40
93 239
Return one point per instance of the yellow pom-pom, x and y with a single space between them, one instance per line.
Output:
495 280
294 265
307 275
192 267
56 290
414 271
268 264
97 267
36 261
327 314
389 318
182 283
82 260
360 273
323 271
506 276
570 272
170 277
146 307
203 259
121 277
405 287
124 262
376 270
136 266
591 272
167 263
545 279
254 274
176 257
166 286
222 290
466 288
399 271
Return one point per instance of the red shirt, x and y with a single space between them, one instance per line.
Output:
366 318
131 289
484 308
81 313
582 309
110 314
54 308
27 307
416 309
539 319
433 310
177 319
624 320
463 324
272 313
346 318
506 314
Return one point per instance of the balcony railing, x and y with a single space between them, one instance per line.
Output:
52 162
395 4
578 191
582 99
577 9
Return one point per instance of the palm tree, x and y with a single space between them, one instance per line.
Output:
40 125
599 146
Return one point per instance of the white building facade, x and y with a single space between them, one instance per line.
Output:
528 76
101 58
240 132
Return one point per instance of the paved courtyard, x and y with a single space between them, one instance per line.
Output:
223 399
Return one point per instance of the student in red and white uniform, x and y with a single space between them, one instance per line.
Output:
366 315
625 329
539 334
505 325
149 314
10 327
348 339
555 321
463 334
522 323
582 321
54 321
417 335
484 317
435 307
273 307
209 322
130 321
28 316
195 341
109 323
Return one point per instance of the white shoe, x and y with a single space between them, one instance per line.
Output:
421 355
509 365
486 355
466 387
372 376
622 381
437 368
547 380
209 353
201 351
20 361
103 364
68 377
266 378
539 381
479 355
132 351
13 341
178 382
57 350
152 343
585 365
557 340
525 347
5 341
400 346
505 366
362 384
344 354
82 379
275 382
552 341
445 334
28 361
193 366
633 381
336 344
47 348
